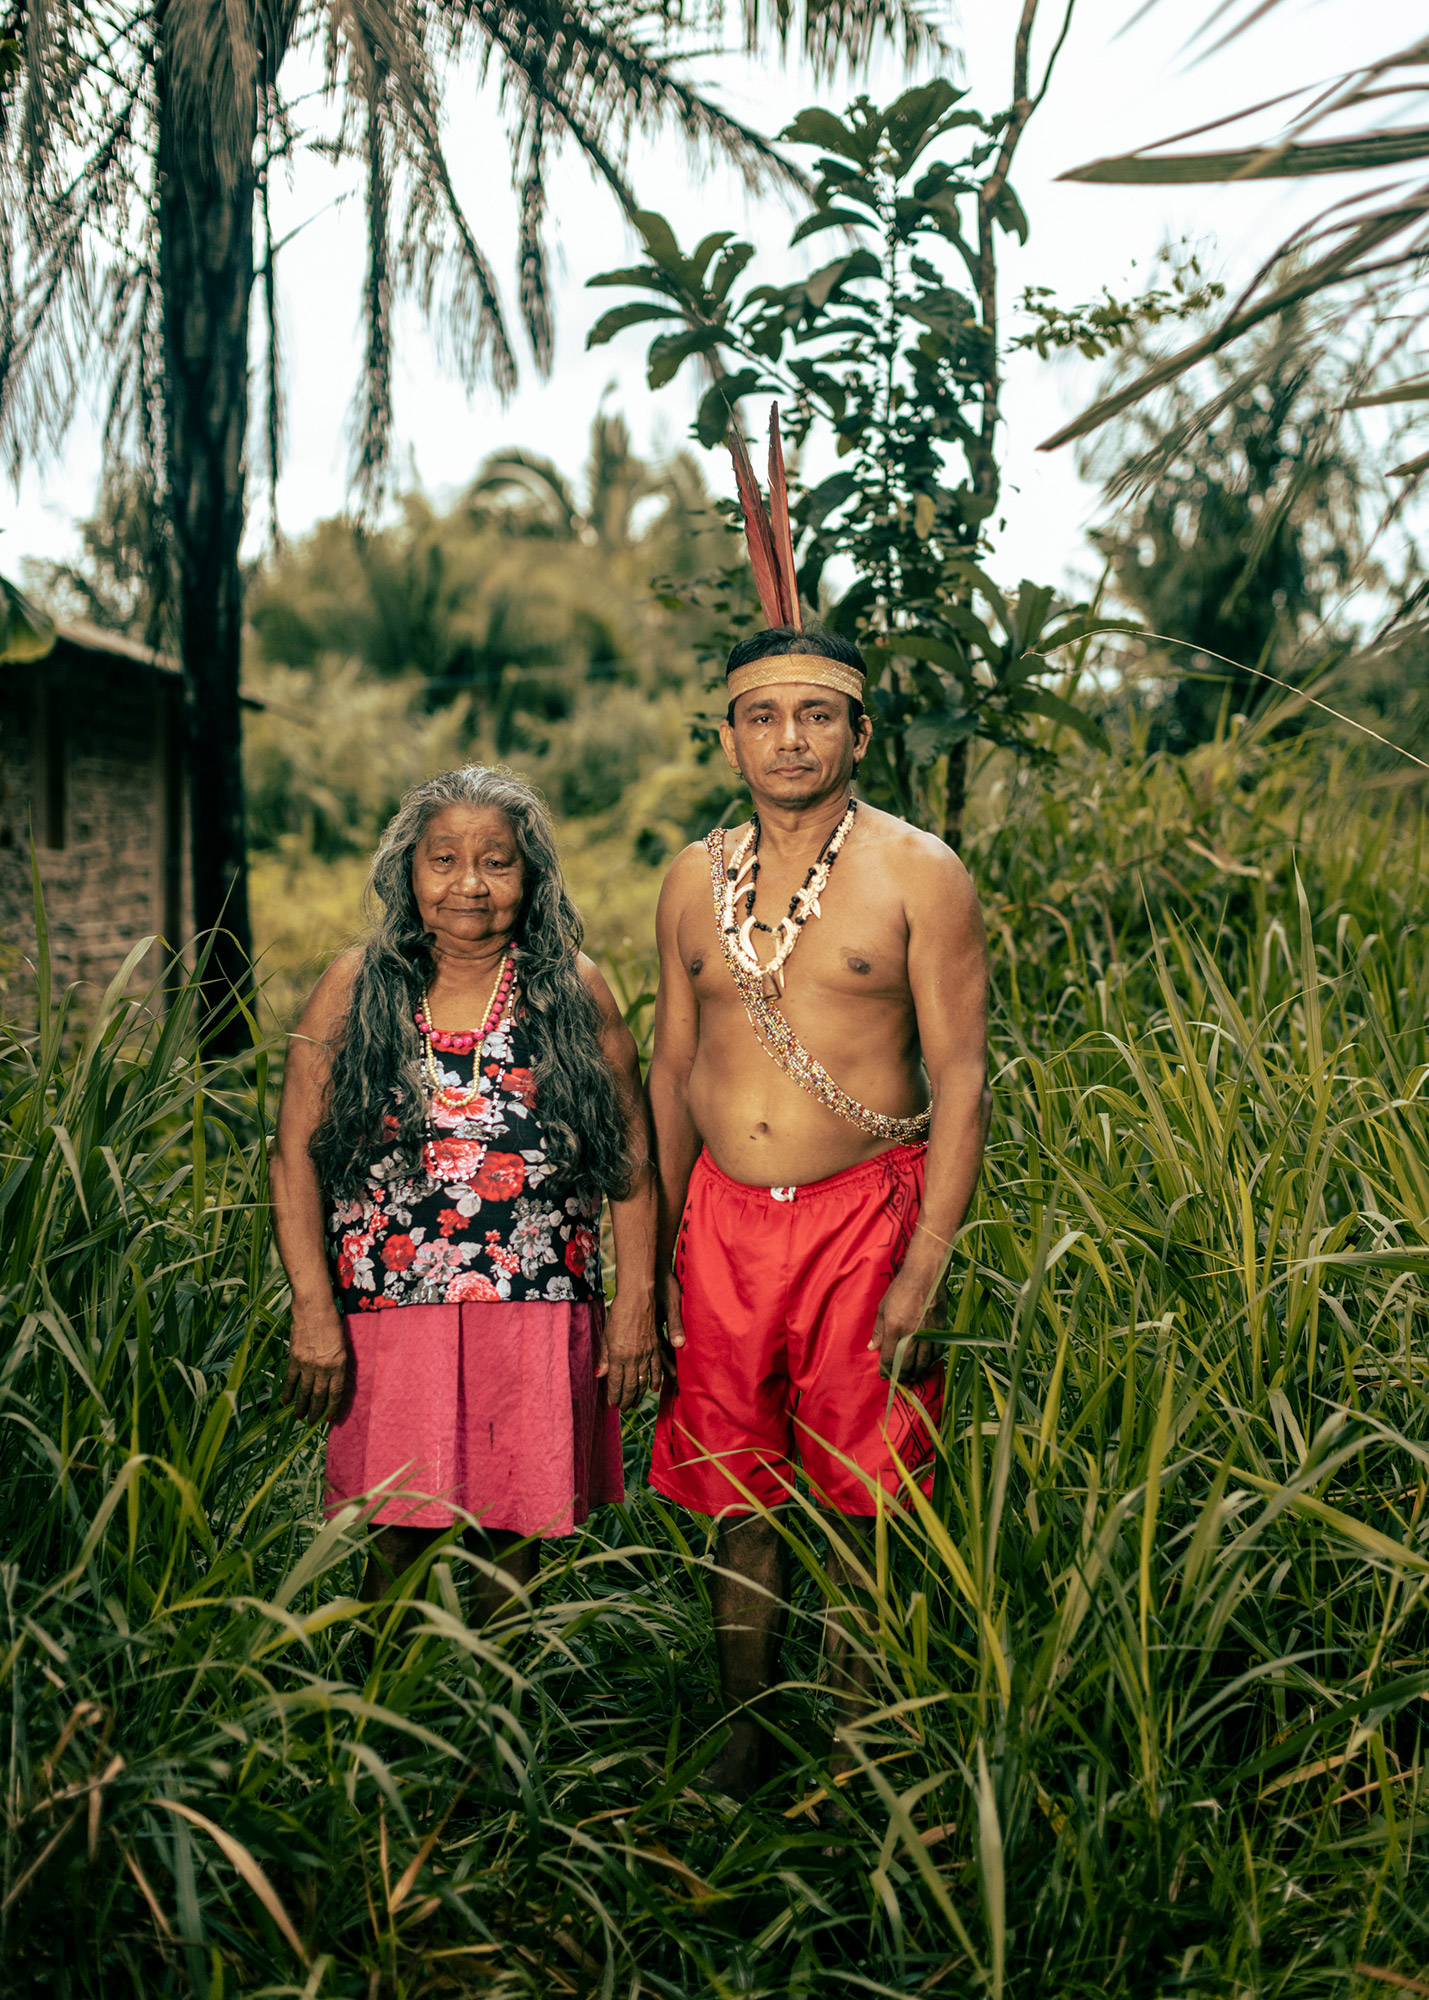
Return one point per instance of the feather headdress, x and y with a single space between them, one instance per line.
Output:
766 529
771 557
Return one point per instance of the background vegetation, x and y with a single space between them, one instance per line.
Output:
1151 1665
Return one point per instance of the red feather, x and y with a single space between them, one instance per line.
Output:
779 524
757 530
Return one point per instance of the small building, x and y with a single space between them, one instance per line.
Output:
93 766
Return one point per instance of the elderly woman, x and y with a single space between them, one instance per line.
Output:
461 1092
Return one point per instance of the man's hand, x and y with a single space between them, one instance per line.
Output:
630 1352
669 1309
898 1325
317 1365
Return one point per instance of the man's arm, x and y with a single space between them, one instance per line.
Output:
630 1354
667 1085
947 974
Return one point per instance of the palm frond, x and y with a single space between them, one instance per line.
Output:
1368 235
80 135
534 478
534 284
829 32
1360 254
1360 152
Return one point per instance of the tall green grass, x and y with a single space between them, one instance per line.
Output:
1150 1666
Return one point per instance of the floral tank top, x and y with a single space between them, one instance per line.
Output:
474 1221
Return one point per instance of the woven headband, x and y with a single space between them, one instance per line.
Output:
796 669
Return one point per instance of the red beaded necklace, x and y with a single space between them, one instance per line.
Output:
460 1100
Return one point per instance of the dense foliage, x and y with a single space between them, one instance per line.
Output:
1241 529
1151 1663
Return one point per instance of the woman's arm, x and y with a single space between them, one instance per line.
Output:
317 1355
630 1358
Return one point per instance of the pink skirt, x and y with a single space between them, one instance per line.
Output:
489 1410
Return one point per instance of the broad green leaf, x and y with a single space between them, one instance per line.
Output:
918 646
670 351
842 183
1034 601
660 241
1082 627
946 311
972 627
830 218
728 267
929 736
909 122
830 493
816 127
819 288
619 317
696 265
649 277
717 404
1009 214
1042 701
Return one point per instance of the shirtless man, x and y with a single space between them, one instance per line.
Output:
803 1235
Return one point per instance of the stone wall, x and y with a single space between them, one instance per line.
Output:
91 760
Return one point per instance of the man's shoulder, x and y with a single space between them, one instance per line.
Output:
901 844
687 880
929 879
690 867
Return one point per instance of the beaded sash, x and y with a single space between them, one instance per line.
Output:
783 1046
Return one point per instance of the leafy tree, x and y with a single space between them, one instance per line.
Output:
137 148
1245 515
517 598
892 350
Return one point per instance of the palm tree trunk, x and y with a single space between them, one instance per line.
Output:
206 278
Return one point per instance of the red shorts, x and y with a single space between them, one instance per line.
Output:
781 1287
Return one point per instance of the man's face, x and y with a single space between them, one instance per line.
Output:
794 745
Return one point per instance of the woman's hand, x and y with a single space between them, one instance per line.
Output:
630 1352
317 1364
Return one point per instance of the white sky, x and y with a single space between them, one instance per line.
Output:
1111 91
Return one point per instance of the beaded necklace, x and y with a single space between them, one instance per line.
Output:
462 1100
803 904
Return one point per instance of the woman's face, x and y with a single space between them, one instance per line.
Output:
467 877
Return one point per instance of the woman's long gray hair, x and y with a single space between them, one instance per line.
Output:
377 1061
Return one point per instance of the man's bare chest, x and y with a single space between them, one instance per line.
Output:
855 949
